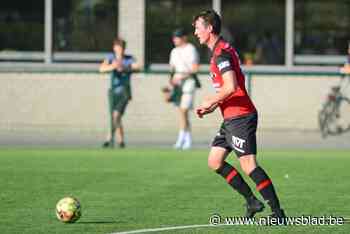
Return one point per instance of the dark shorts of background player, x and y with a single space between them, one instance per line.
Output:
238 134
176 95
119 102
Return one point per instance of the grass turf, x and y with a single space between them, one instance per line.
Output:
132 189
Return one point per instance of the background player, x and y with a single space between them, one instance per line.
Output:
238 130
184 64
346 68
121 66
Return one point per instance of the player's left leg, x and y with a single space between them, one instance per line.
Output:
117 129
182 129
186 105
110 138
263 183
244 143
216 161
184 140
187 144
121 108
120 130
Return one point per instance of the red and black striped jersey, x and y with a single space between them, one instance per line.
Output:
224 58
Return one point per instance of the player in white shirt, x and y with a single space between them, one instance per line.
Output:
184 63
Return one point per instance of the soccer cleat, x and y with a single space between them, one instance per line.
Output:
121 145
253 206
187 145
279 216
178 144
105 144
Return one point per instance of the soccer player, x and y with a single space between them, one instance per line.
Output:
346 68
120 65
238 130
184 64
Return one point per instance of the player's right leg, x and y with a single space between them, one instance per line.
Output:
120 107
117 130
186 105
120 131
182 129
111 134
216 161
186 126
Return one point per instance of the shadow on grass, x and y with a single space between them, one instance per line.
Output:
97 222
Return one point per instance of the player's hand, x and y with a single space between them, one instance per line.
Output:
114 64
201 111
177 79
117 65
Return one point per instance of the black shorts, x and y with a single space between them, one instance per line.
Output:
238 134
119 102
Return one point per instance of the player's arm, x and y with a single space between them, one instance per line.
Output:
229 86
194 68
194 64
204 111
106 66
183 76
171 75
135 67
130 67
210 103
224 63
172 71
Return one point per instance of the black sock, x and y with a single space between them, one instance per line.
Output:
265 187
235 180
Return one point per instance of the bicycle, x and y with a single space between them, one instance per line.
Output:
334 117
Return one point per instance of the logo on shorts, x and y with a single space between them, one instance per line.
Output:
237 144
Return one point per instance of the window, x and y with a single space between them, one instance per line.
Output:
256 29
22 25
162 18
322 27
84 25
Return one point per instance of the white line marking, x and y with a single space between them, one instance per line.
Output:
168 228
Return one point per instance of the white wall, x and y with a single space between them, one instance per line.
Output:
77 102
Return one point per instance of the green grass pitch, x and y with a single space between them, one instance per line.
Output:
132 189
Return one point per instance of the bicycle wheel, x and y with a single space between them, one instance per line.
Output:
338 121
325 117
342 117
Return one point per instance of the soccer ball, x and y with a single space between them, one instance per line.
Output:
68 210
